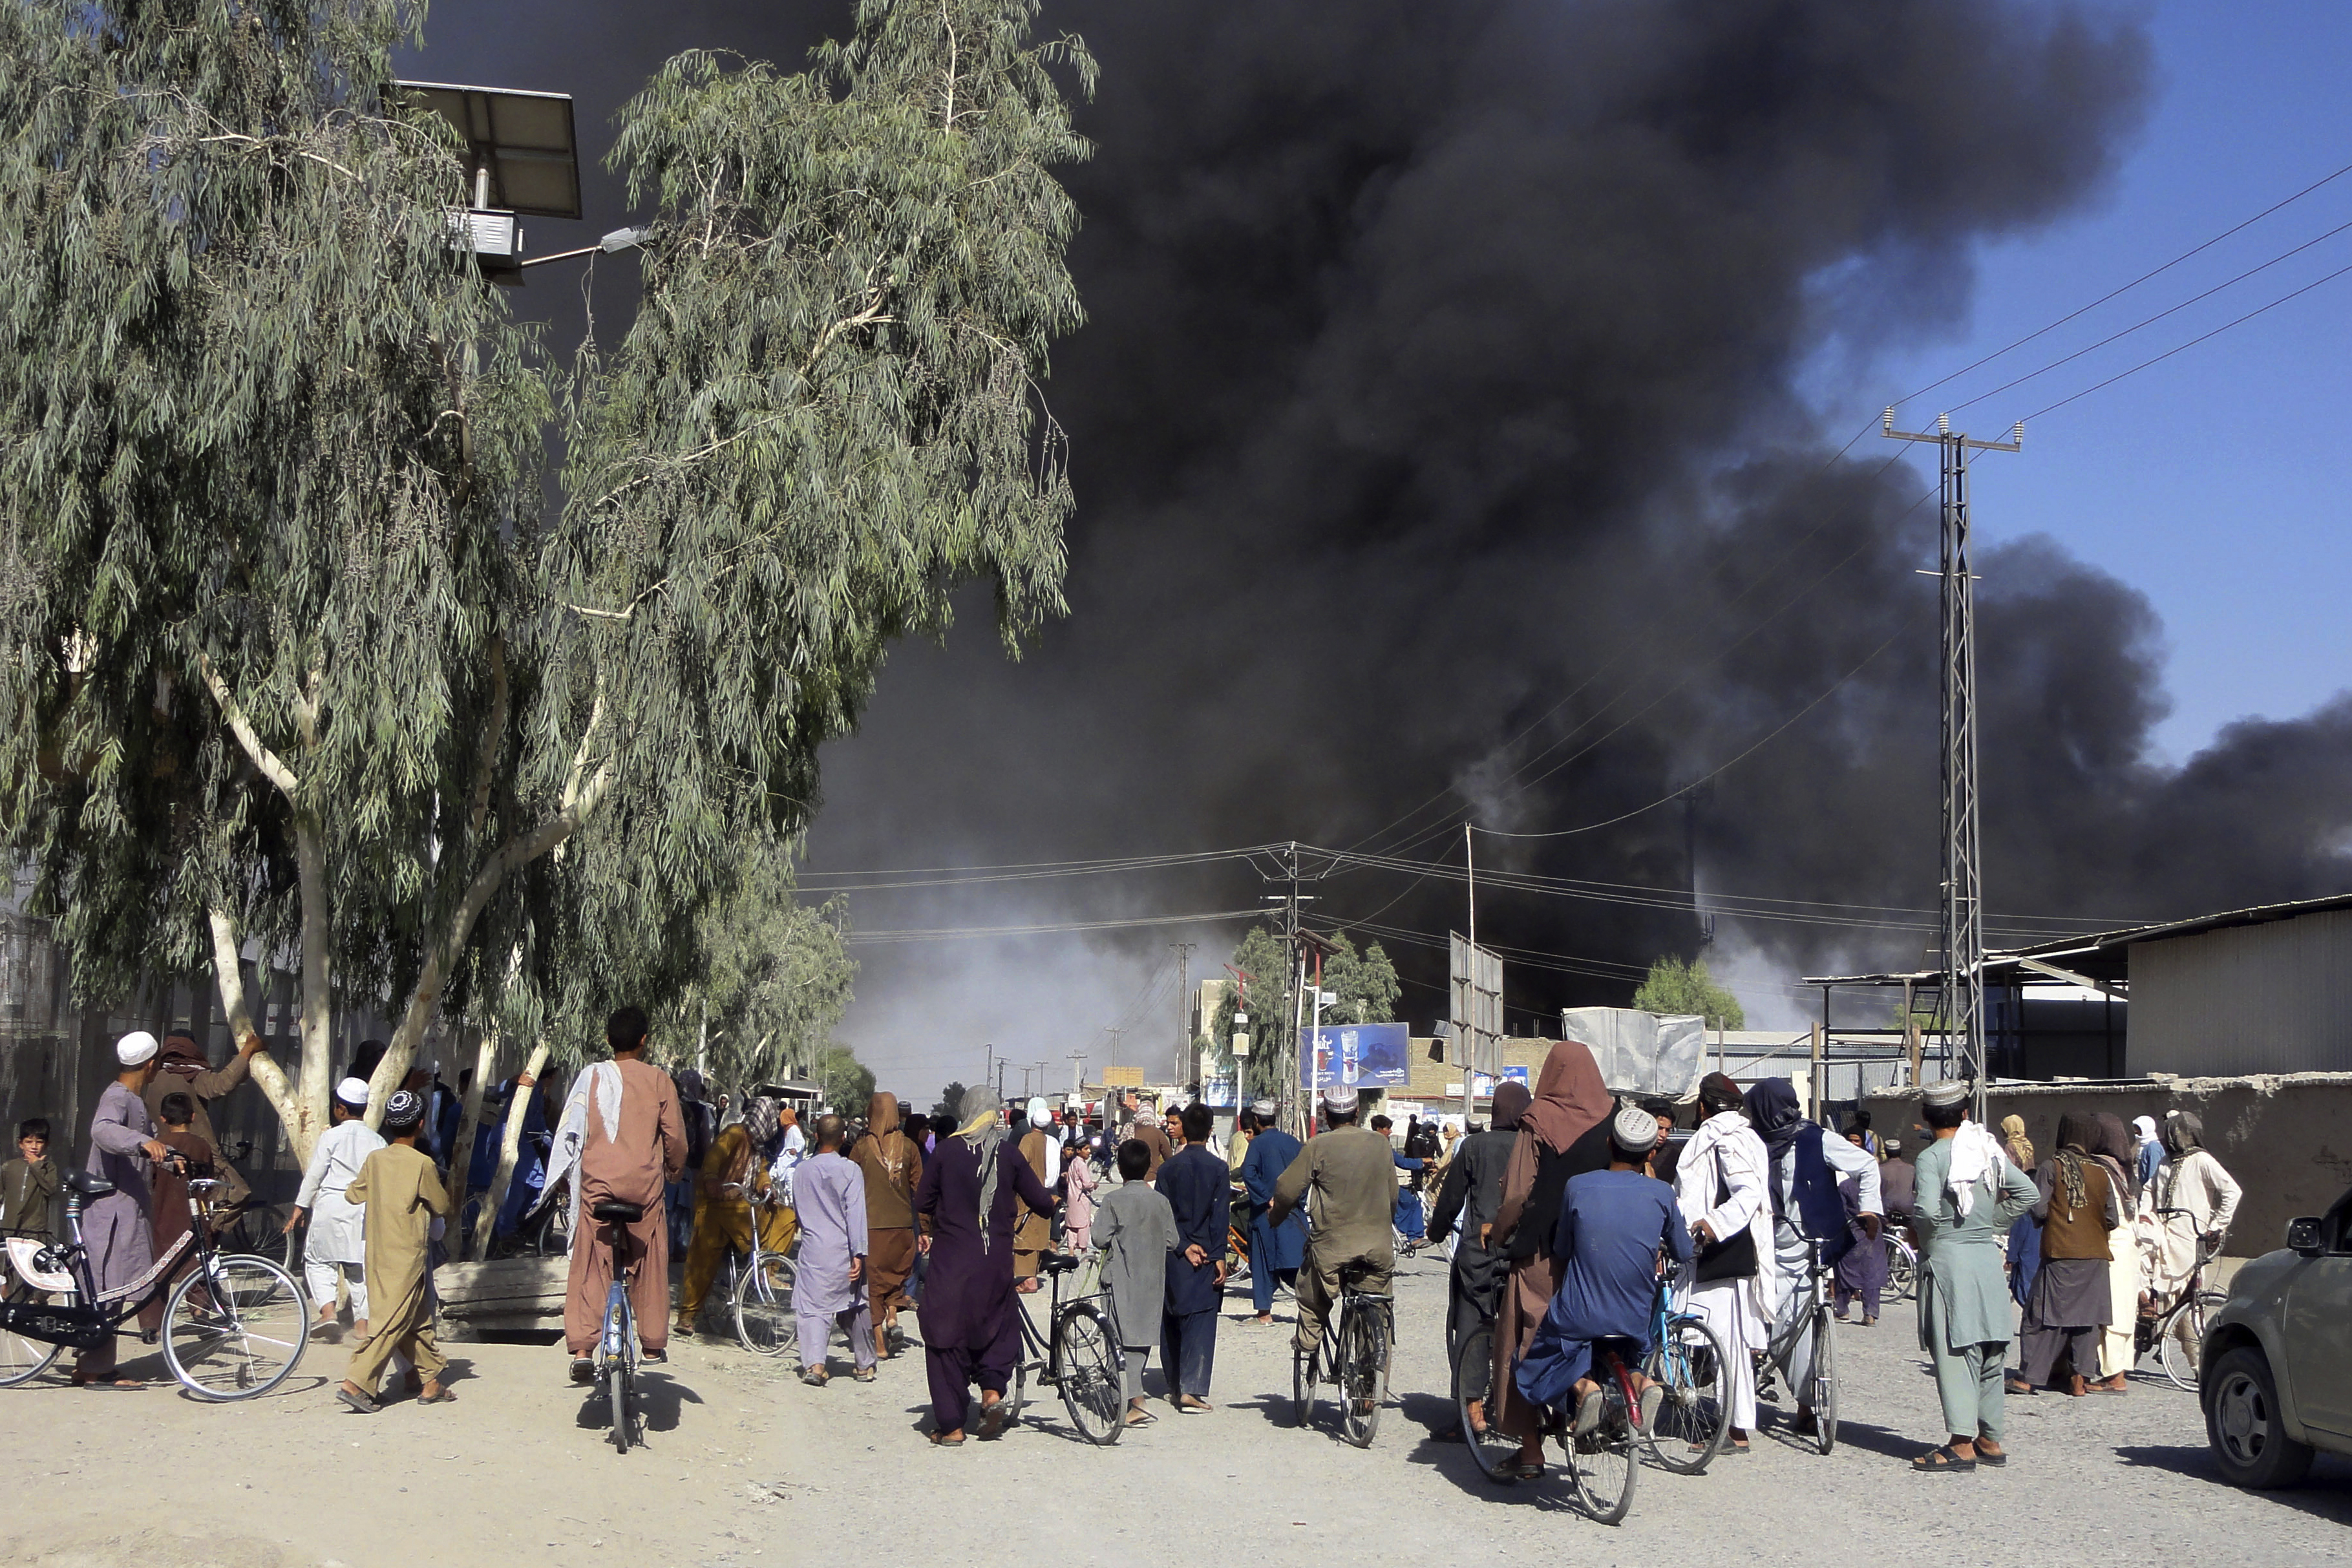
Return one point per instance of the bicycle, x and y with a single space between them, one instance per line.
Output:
1355 1346
1601 1465
615 1365
235 1325
1902 1262
1077 1353
760 1294
1783 1346
2178 1332
1687 1360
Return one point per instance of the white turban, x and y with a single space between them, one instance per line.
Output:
136 1048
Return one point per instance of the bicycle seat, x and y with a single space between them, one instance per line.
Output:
86 1184
1057 1263
613 1211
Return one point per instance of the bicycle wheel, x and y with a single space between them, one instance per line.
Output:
2183 1341
1605 1464
236 1329
1302 1387
1825 1386
1695 1418
1902 1271
1363 1380
618 1379
1473 1376
763 1306
23 1360
1089 1362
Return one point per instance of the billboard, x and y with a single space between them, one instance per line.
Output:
1356 1056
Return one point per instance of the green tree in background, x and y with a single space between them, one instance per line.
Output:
1676 986
845 1083
774 980
292 657
1366 985
951 1101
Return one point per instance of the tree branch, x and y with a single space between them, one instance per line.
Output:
275 771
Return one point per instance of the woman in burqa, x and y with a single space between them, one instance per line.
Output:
1563 1133
1472 1193
972 1186
2071 1300
893 1164
2113 1146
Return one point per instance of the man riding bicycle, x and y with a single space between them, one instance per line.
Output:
1352 1173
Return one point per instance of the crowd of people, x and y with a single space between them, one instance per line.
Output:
1564 1212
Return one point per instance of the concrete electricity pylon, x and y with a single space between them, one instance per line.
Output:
1183 1011
1963 904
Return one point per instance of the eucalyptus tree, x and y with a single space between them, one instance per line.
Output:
293 656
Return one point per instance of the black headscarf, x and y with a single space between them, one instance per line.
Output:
2183 1131
1772 1107
1512 1098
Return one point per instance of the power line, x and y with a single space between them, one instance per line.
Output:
1044 928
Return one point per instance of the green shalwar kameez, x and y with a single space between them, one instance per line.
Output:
1964 1306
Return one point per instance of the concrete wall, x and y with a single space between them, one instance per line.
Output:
2270 998
2287 1139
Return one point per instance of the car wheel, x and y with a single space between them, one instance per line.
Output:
2243 1424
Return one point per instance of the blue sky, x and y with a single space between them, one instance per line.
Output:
2216 481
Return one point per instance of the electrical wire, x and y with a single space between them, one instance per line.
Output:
1044 928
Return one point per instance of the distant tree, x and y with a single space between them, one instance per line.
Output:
1265 956
844 1082
951 1101
1676 986
773 981
1367 986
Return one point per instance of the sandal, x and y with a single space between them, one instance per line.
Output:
1141 1418
359 1403
1937 1460
992 1418
1995 1460
942 1440
863 1375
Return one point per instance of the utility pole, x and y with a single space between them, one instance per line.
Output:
1466 1049
1077 1077
1963 902
1184 1011
1113 1035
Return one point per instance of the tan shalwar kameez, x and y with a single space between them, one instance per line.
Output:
403 1196
635 1165
893 1165
1034 1238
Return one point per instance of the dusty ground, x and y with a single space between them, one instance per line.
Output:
743 1467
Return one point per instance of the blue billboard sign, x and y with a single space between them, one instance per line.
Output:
1356 1056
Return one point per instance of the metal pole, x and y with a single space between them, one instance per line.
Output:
1469 1048
1184 1011
1963 902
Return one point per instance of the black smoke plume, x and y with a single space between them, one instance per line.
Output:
1442 380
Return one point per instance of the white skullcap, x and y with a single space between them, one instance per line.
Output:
1341 1101
136 1048
1635 1130
354 1092
1946 1092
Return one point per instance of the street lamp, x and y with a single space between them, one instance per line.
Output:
525 164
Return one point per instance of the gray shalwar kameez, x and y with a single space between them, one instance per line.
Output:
1137 1228
118 1228
1964 1289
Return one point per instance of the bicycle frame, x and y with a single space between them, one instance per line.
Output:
88 1323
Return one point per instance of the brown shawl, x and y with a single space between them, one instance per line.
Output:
892 1163
1571 1097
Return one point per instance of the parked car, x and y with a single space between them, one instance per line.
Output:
2276 1373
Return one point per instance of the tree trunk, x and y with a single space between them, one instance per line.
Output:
315 1088
461 1157
302 1125
510 1147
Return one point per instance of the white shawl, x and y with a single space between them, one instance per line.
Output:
600 1085
1976 1154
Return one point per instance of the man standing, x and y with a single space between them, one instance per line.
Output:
1036 1236
1472 1193
830 1194
1148 1134
1722 1185
622 1140
1807 1164
1968 1194
1198 1192
1276 1251
180 1068
892 1164
1352 1171
732 1168
118 1228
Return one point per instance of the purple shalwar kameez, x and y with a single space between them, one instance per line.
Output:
118 1228
968 1330
829 1195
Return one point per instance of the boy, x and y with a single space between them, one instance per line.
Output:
337 1244
1135 1228
170 1216
403 1196
29 1184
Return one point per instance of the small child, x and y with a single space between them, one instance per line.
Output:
1135 1228
29 1184
168 1208
403 1195
336 1249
